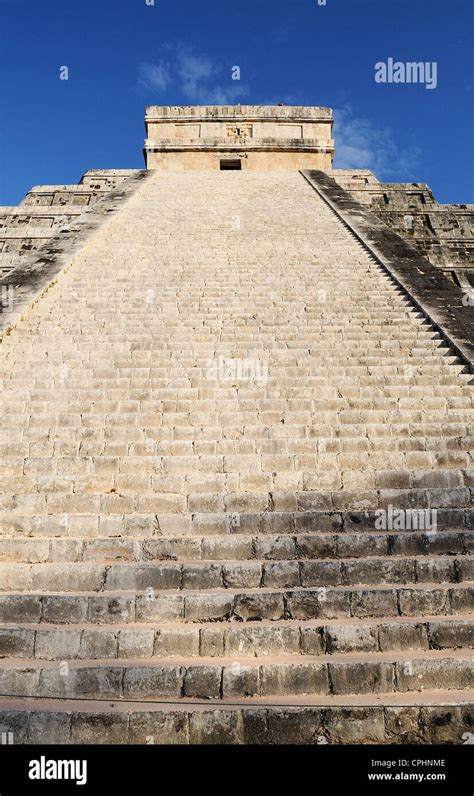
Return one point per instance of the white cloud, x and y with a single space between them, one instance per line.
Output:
362 145
194 76
193 71
154 76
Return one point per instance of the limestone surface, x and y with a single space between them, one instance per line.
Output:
209 422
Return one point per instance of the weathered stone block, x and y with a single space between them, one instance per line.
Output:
242 575
362 678
258 606
99 728
176 641
215 727
403 637
240 681
135 643
299 678
288 727
159 607
281 574
356 725
351 638
138 577
202 607
16 643
203 682
47 727
152 681
159 727
374 603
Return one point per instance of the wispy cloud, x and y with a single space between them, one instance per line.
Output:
182 72
361 144
156 76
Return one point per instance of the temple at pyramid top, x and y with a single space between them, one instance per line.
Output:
257 138
251 137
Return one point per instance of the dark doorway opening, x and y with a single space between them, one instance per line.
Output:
231 165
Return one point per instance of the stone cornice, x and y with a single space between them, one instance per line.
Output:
158 113
249 145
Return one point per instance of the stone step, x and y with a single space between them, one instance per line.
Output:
84 509
281 360
338 424
149 455
144 475
156 678
188 416
205 575
254 640
126 526
280 353
427 717
343 602
295 329
162 377
145 458
174 384
237 547
368 372
425 413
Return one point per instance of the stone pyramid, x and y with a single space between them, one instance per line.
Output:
236 459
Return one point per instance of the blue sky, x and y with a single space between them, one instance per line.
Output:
125 54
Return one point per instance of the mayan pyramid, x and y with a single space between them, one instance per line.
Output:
236 451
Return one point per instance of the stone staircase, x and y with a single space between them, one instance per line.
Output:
237 473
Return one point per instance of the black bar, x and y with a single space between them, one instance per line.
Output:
156 769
